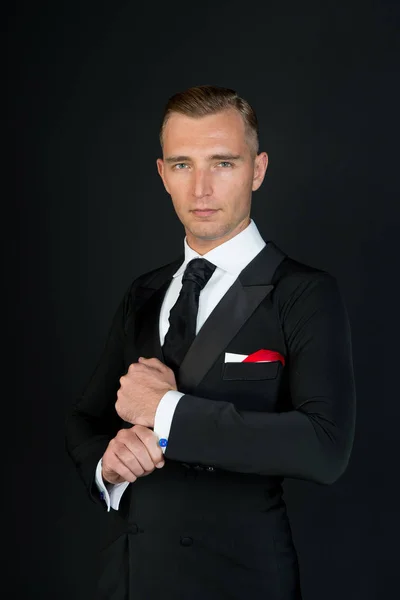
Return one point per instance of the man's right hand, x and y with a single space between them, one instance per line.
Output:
133 453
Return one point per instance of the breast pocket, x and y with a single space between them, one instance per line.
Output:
250 371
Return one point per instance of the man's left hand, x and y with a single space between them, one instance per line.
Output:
142 388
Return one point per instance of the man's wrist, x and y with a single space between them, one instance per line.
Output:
164 415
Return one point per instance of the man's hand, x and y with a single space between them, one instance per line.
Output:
131 454
142 388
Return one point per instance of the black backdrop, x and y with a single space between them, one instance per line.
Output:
87 82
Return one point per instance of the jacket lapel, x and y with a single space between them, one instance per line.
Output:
233 310
147 317
229 316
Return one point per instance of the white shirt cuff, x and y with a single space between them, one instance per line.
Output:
110 493
164 414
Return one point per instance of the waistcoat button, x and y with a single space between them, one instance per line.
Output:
186 541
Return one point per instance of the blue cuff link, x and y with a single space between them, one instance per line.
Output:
163 442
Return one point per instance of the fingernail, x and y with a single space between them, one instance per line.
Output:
160 464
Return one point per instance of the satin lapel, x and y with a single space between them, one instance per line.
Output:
229 316
147 335
147 318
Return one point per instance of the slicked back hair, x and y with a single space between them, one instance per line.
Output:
203 100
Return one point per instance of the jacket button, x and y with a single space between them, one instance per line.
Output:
186 541
133 528
210 468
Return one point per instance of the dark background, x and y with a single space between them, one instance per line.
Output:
86 85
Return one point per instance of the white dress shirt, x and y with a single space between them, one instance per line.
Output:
230 258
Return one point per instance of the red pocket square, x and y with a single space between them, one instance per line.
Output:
265 355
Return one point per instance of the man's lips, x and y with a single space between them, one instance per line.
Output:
204 212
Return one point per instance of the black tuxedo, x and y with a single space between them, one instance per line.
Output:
212 524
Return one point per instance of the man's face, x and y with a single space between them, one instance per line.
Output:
210 173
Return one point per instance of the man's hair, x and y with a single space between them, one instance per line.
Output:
203 100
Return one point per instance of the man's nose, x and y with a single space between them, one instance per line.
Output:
201 183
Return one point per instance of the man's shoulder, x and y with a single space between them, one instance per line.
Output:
292 271
153 278
143 286
294 278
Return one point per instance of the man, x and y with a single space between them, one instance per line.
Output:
223 372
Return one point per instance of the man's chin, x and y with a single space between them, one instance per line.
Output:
208 232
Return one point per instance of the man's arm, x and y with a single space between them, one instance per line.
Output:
93 421
314 440
112 493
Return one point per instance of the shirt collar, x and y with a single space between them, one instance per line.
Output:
231 256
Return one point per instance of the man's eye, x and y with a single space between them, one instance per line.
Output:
178 165
225 163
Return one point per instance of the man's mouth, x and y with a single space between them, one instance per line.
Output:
204 212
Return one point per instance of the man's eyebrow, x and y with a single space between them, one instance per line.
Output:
225 157
173 159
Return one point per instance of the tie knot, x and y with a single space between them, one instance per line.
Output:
199 271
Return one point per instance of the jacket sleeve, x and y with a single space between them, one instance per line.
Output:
313 441
93 421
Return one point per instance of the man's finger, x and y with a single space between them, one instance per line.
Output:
150 440
152 362
117 466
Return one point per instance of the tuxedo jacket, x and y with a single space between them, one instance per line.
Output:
212 523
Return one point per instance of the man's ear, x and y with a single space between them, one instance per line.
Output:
260 168
160 168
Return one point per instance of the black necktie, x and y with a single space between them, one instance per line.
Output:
183 315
